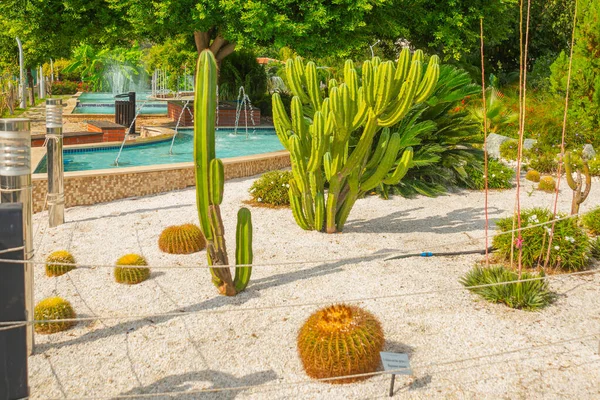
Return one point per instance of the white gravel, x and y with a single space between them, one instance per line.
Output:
454 339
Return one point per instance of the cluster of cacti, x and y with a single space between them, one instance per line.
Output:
533 176
51 309
547 184
181 239
59 263
210 183
131 269
340 340
339 139
579 193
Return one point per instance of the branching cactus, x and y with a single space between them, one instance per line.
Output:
579 193
209 187
345 139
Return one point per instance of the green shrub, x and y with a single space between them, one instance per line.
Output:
500 176
591 220
53 308
531 295
570 246
594 165
55 263
64 87
509 150
542 158
547 184
595 252
272 189
532 175
131 275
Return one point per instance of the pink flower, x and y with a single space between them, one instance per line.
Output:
519 242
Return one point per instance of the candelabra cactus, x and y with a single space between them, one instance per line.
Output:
209 187
579 193
331 139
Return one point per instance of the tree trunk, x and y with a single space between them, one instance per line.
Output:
220 47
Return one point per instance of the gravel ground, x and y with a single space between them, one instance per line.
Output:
459 346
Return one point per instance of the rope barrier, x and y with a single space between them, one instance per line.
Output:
352 376
298 305
12 249
391 254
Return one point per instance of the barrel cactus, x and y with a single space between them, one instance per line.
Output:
210 179
547 184
533 176
130 269
59 263
53 309
181 239
345 140
340 340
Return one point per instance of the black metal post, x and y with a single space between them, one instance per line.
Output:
131 112
13 340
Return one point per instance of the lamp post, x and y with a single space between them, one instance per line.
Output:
22 88
54 155
15 187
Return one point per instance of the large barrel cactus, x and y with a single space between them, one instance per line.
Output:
333 139
210 184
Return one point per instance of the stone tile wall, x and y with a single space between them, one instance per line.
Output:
226 116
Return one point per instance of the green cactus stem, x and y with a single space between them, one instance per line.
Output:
576 184
210 179
344 140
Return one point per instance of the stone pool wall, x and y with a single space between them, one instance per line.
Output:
91 187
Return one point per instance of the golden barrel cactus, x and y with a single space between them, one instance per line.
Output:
51 309
340 340
532 175
130 269
58 263
182 239
547 184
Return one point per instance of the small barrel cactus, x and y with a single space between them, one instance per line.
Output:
134 274
340 340
182 239
547 184
57 263
532 176
51 309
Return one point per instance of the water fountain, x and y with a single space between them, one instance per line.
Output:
128 132
243 101
177 125
120 82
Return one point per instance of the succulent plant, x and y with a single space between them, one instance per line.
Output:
547 184
50 309
533 176
342 142
181 239
130 269
210 179
57 263
340 340
582 170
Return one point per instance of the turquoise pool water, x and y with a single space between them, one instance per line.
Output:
227 145
104 103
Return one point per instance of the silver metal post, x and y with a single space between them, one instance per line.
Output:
42 84
23 87
52 70
15 187
54 155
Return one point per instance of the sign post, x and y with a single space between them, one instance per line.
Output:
397 364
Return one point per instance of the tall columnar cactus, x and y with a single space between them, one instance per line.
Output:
579 193
339 139
210 183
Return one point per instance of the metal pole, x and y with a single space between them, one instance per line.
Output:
42 83
54 151
52 71
23 88
15 187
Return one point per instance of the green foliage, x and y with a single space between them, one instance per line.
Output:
500 176
181 239
584 105
130 269
51 309
176 55
547 184
272 188
64 87
533 176
242 69
210 181
509 150
570 246
340 340
591 221
55 263
530 296
541 158
594 165
595 251
500 118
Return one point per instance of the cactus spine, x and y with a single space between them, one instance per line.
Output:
342 142
210 180
579 193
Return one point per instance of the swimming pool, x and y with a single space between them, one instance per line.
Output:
104 103
227 145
